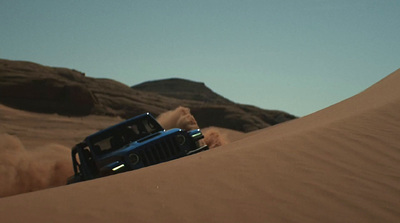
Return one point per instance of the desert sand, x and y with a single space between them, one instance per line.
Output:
340 164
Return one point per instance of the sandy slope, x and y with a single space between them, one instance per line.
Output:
34 129
35 148
340 164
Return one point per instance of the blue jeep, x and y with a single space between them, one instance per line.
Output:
132 144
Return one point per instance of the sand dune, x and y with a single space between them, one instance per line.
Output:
35 148
340 164
25 170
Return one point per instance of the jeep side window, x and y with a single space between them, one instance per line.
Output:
140 130
103 145
77 161
123 135
116 142
89 160
131 134
151 125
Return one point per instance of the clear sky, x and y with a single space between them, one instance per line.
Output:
299 56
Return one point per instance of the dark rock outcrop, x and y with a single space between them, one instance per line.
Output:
38 88
211 109
183 89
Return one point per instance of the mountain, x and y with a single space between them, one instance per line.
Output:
34 87
38 88
211 109
183 89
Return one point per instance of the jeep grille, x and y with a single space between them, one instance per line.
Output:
163 150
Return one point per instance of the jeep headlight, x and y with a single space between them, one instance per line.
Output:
180 139
196 134
134 158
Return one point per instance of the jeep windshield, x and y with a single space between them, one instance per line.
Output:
121 135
